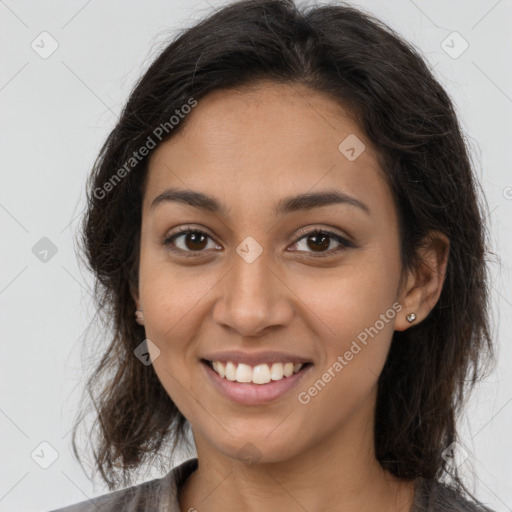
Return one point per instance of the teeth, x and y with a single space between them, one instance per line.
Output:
219 368
243 373
230 371
260 374
276 372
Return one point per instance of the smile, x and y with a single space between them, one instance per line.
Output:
252 385
259 374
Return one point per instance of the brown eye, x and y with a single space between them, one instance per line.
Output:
195 240
190 241
318 241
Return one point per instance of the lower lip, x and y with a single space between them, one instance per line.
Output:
254 394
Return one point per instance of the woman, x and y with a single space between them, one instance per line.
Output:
287 238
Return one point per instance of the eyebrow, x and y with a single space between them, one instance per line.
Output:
286 205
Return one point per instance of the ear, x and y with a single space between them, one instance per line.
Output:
423 285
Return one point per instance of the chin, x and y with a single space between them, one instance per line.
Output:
259 449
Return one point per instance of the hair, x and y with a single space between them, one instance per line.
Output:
382 80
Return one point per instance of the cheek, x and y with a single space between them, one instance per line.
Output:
354 312
172 303
171 296
350 298
355 349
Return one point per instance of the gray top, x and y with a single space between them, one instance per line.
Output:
161 495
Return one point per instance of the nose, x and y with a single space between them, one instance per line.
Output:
253 298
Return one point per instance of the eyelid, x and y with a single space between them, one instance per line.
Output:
309 230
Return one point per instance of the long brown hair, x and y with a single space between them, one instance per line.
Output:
363 64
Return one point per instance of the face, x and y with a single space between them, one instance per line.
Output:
252 276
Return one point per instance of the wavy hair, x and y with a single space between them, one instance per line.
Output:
360 62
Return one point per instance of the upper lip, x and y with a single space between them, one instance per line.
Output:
255 358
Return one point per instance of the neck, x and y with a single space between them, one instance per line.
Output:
339 473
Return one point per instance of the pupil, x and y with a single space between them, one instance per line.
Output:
193 237
325 241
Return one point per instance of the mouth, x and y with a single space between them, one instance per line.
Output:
260 374
249 392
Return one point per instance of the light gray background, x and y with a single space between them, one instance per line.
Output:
56 113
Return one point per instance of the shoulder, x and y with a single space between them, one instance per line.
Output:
159 494
434 496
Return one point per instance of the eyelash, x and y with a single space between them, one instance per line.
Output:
167 241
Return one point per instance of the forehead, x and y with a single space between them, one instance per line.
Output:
265 143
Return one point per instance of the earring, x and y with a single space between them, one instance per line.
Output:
411 318
139 317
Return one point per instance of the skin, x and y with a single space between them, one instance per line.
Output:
250 148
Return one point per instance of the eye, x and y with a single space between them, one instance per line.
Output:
195 241
322 239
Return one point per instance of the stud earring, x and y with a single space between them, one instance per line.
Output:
411 318
139 317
